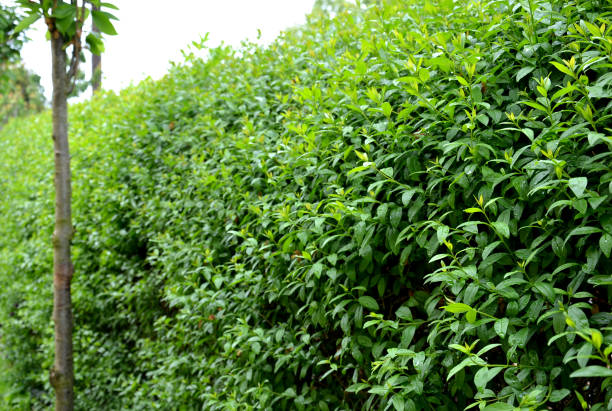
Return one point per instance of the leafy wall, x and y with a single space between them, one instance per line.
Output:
405 206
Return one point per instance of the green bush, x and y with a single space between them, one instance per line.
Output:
405 206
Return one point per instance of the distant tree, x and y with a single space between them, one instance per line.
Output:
10 45
20 90
65 21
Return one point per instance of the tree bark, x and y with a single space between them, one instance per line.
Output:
96 61
62 373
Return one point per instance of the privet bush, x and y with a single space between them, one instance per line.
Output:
405 206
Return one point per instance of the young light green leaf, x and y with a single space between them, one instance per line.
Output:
462 81
457 308
562 68
470 316
597 339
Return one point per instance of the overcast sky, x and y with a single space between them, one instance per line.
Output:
152 32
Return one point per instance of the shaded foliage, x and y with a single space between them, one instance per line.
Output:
20 92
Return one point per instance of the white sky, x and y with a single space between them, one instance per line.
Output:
151 33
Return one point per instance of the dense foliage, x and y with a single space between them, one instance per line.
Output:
20 90
10 45
405 206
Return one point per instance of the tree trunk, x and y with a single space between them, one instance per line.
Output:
62 373
96 61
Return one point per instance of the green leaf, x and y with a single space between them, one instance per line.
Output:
606 223
26 22
546 289
407 335
498 406
96 46
487 348
379 390
398 402
470 316
583 403
423 75
523 72
597 339
581 321
562 68
387 172
457 308
595 138
64 11
580 205
502 228
465 363
317 269
578 185
395 217
109 6
407 196
368 302
404 313
558 395
583 354
362 156
519 338
535 105
528 132
484 375
462 81
387 109
442 232
102 21
605 244
598 92
592 371
357 387
501 327
586 230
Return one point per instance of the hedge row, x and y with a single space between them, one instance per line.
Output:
405 206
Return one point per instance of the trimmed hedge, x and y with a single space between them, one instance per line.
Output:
405 206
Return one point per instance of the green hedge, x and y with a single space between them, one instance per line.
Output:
405 206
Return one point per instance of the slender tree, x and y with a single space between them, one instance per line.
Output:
96 59
65 22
